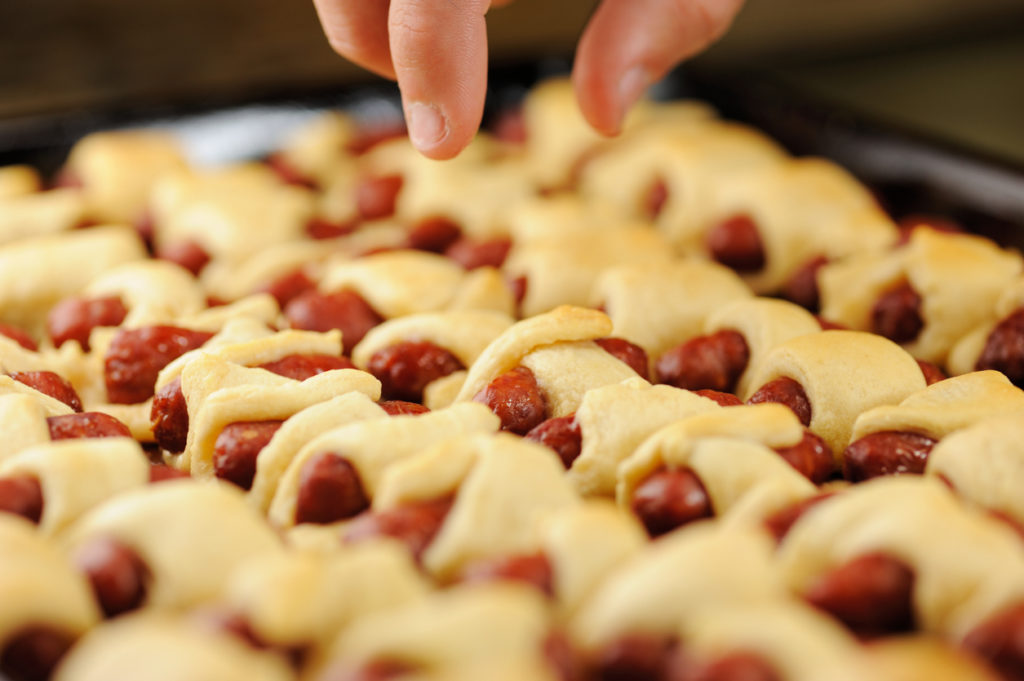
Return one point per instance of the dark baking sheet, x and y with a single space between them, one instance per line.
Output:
911 173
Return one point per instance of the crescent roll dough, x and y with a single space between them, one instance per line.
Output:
191 535
150 290
76 475
658 306
844 373
959 278
984 463
19 180
730 450
967 350
966 566
613 421
945 407
35 214
23 423
162 647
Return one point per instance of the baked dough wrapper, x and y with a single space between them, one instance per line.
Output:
945 407
660 305
38 213
556 347
302 598
731 451
844 373
615 419
965 353
165 647
910 658
119 169
497 630
374 445
23 420
984 463
960 278
38 587
400 283
150 290
967 567
19 180
233 213
192 536
28 290
77 475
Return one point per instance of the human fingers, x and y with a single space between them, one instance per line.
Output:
631 44
358 31
439 53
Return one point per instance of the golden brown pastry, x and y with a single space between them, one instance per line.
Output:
19 180
26 215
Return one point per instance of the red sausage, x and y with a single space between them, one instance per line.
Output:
510 126
872 594
288 173
19 337
519 286
50 384
414 524
782 521
999 640
932 373
320 228
723 399
517 400
289 286
897 314
532 569
561 434
655 198
887 452
75 318
406 368
473 254
329 490
344 309
736 243
401 408
301 367
376 196
1004 349
563 657
158 472
32 653
738 666
22 495
668 499
86 424
236 449
378 670
785 391
434 234
811 457
802 286
631 354
633 657
713 362
117 574
136 356
169 416
188 254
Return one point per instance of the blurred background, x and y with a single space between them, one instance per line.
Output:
951 68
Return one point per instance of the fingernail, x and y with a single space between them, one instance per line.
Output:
427 125
633 85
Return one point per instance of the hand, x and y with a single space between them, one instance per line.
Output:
437 51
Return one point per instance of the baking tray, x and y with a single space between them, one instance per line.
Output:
910 172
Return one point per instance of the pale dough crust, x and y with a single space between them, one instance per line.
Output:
659 306
361 444
76 475
28 289
150 289
36 214
960 278
764 324
614 419
910 658
965 353
844 373
464 333
19 180
318 148
300 428
171 526
985 463
23 423
565 372
966 566
162 647
646 595
51 406
945 407
731 451
299 598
